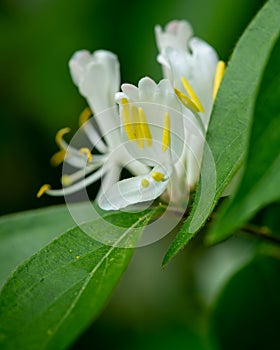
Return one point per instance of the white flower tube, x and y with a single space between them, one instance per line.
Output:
192 67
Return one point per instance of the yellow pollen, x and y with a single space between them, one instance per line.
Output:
66 180
145 127
166 133
59 135
84 116
42 190
137 127
127 123
87 152
157 176
58 157
192 94
187 102
145 183
220 71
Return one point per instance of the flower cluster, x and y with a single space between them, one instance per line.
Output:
156 131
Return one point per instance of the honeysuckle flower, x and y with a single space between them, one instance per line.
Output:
195 72
97 77
153 133
158 132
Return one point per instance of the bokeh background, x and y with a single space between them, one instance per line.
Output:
151 309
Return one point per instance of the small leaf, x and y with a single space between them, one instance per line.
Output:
53 296
228 131
260 183
247 313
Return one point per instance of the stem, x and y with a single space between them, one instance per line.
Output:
261 232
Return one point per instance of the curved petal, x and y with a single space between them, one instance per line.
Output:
77 65
98 77
152 122
98 72
176 34
131 191
198 68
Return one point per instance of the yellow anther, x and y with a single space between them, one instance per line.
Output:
58 157
59 135
137 127
145 127
66 180
220 71
145 183
87 152
157 176
42 190
166 132
127 122
84 116
187 102
192 94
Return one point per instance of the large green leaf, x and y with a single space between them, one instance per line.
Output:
53 296
247 313
260 183
228 131
23 234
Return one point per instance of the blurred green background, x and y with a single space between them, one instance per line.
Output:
151 309
37 38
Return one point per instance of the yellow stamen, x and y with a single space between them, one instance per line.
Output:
59 135
192 94
66 180
145 183
220 71
84 116
145 127
187 102
157 176
58 157
87 152
42 190
127 123
137 127
166 133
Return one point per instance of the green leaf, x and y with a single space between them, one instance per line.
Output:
53 296
228 131
247 313
260 183
23 234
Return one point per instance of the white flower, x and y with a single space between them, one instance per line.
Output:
153 132
193 68
97 76
158 133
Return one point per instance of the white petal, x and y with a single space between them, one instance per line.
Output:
131 191
110 178
110 60
95 87
130 90
176 34
98 79
156 101
198 67
205 60
147 88
77 65
194 158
